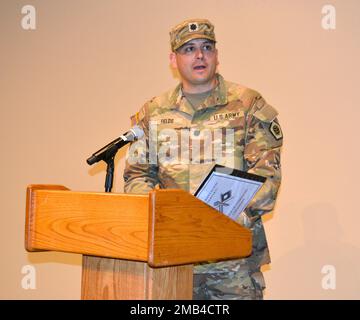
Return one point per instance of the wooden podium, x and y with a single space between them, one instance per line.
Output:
133 246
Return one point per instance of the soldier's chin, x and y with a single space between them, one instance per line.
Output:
201 79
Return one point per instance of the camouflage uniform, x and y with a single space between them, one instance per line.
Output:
255 149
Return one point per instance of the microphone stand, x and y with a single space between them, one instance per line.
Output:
109 173
109 160
108 157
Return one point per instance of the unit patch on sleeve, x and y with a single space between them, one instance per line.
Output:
276 130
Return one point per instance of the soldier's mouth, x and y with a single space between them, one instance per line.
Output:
199 67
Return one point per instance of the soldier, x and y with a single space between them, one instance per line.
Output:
238 127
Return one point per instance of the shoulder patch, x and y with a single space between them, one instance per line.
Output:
276 130
266 113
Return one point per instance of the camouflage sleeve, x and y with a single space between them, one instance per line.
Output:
262 155
140 175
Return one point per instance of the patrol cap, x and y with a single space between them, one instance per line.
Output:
189 30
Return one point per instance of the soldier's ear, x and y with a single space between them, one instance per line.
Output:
217 57
173 61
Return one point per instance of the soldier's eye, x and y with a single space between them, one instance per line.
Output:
189 49
208 47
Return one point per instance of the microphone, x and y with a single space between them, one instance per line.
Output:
111 148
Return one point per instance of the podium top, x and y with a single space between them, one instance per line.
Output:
164 228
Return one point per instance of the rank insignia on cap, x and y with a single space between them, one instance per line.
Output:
193 26
276 130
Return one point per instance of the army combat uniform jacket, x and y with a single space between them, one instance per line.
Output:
234 120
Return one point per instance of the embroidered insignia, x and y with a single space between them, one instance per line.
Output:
276 130
193 26
226 116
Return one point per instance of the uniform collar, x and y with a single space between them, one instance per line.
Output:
217 98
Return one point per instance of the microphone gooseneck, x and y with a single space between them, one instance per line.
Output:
108 153
111 148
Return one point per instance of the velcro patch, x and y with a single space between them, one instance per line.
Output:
267 113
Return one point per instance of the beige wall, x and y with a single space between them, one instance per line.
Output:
70 86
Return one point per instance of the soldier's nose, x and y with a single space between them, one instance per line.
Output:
199 54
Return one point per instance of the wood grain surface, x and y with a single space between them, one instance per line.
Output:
113 279
185 230
134 246
99 224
